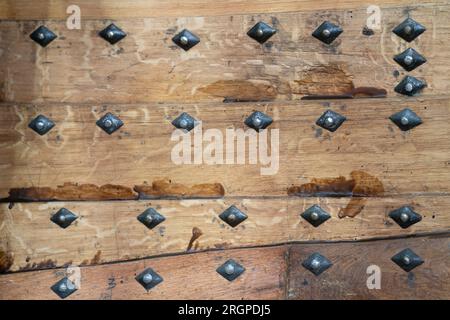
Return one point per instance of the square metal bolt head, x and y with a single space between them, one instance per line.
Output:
63 218
233 216
317 263
405 217
230 270
43 36
409 29
149 279
151 218
327 32
410 59
261 32
410 86
184 122
186 40
406 119
112 34
315 215
41 125
258 121
109 123
64 288
407 260
330 120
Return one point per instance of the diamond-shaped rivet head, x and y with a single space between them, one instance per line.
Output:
315 215
406 119
410 59
151 218
185 122
330 120
261 32
407 259
410 86
327 32
409 29
109 123
149 278
41 124
405 216
112 34
233 216
43 36
64 288
258 121
186 39
317 263
230 270
63 218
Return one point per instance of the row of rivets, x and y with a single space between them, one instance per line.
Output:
231 270
404 216
329 120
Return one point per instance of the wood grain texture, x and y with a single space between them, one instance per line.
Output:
347 278
267 272
190 276
116 9
146 66
109 231
76 151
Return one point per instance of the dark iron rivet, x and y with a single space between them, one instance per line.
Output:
186 39
409 29
185 122
410 86
151 218
43 36
230 270
406 119
64 288
407 259
258 121
63 218
109 123
149 279
405 216
410 59
315 215
112 34
41 124
261 32
233 216
317 263
327 32
330 120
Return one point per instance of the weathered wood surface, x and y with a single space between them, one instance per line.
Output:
227 65
190 276
346 279
271 273
120 9
76 151
109 231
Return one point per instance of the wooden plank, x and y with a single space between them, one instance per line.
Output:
116 9
227 65
347 278
190 276
76 151
109 231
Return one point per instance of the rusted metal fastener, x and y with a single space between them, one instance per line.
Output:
406 119
405 216
41 124
151 218
233 216
63 218
317 263
261 32
315 215
112 34
409 29
327 32
258 121
407 259
149 278
64 288
186 39
43 36
230 270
